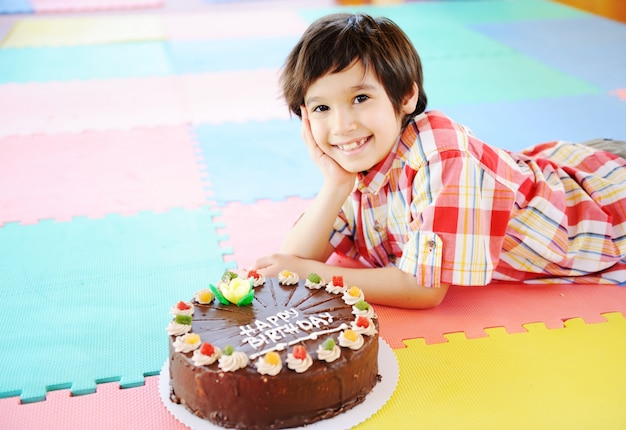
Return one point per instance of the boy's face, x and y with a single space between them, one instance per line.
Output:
352 118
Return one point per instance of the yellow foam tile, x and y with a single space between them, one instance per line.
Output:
568 378
87 30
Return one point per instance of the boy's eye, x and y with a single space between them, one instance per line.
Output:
360 98
320 108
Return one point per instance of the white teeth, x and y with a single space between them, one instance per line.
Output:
353 145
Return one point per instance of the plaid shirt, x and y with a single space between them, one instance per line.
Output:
448 208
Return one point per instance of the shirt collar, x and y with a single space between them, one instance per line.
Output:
378 176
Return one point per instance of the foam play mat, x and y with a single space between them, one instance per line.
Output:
144 149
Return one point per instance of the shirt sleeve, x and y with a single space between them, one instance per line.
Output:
461 212
342 236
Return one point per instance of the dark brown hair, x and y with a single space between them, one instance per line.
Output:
334 42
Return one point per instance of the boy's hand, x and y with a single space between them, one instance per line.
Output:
271 265
330 169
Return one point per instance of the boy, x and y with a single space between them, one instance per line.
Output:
418 198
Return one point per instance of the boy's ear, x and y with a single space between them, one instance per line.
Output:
410 101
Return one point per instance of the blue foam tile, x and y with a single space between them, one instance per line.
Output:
409 15
15 6
113 246
229 54
515 125
268 160
98 291
66 63
590 48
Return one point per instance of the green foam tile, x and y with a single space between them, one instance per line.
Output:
451 81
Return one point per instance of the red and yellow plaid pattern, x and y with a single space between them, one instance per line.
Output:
446 207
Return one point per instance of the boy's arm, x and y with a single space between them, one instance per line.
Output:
385 286
309 236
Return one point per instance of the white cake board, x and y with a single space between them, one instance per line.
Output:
376 399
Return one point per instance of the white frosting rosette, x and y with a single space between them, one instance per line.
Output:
367 313
257 282
286 277
175 310
200 359
314 285
351 339
358 326
328 355
314 281
299 364
235 361
267 366
204 296
335 289
176 329
187 342
353 295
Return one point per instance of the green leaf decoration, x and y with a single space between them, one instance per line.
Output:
247 299
219 295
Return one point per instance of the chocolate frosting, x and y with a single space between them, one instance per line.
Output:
279 315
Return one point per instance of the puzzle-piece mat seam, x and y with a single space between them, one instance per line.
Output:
450 382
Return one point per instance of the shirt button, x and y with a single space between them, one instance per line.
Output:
378 227
392 258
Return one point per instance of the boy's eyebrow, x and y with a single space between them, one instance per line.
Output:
352 89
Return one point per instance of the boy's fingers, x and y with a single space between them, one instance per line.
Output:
307 134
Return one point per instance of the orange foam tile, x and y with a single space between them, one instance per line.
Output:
96 173
471 310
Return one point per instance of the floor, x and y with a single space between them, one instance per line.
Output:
144 150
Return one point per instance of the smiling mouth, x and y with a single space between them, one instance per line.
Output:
353 145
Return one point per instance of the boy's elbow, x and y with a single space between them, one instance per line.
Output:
427 298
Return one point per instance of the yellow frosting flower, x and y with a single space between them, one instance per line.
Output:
236 289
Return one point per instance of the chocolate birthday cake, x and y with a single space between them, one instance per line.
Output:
260 353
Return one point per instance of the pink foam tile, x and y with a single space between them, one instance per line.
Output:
95 173
473 309
109 408
91 5
620 93
234 23
58 107
233 96
258 229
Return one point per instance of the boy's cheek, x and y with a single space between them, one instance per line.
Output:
318 135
